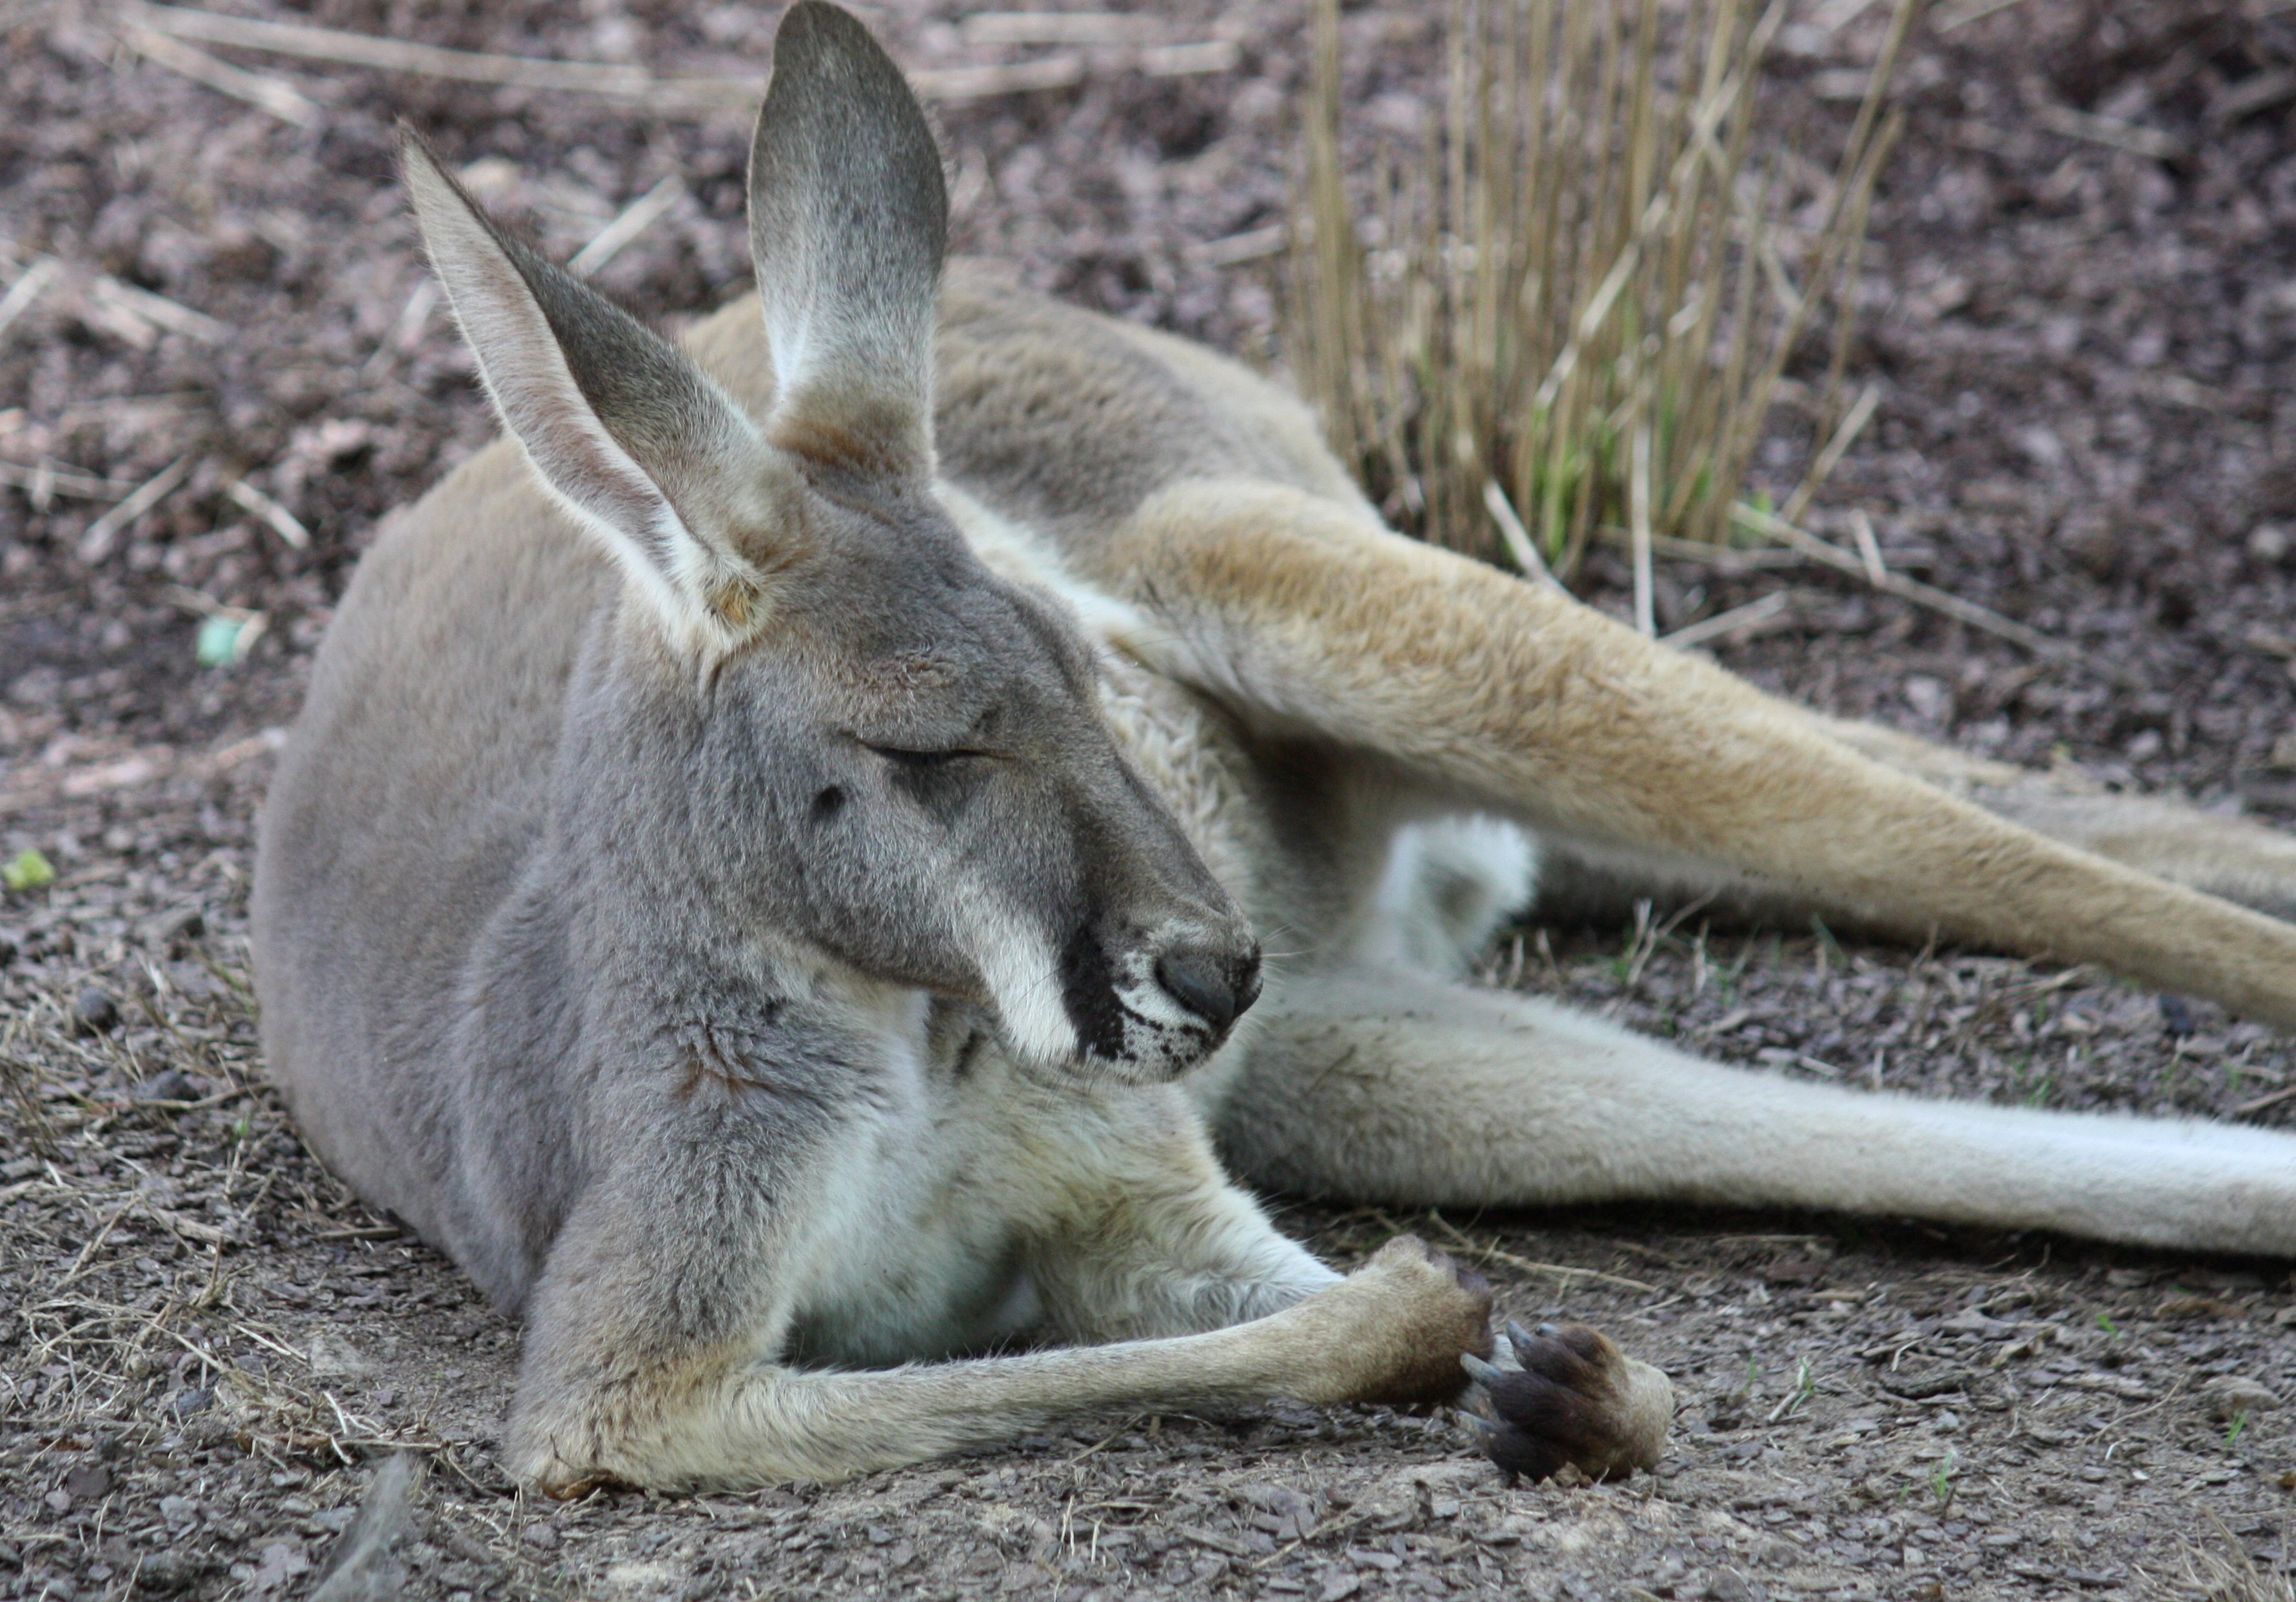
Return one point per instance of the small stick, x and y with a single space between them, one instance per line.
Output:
61 481
1869 549
636 219
95 545
1518 543
400 55
1639 518
687 93
283 523
1861 412
1925 595
257 89
1059 28
1726 622
1495 1254
29 287
2262 1102
1975 10
2110 132
159 310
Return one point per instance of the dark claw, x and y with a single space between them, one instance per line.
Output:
1561 1406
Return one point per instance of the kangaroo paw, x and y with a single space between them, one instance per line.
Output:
1577 1399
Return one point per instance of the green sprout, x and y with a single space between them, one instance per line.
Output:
1942 1481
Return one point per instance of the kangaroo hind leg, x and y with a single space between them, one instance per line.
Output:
1383 1087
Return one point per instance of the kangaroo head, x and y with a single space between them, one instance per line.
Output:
878 749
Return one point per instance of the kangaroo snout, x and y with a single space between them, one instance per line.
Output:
1217 986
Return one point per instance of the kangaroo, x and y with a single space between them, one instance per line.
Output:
767 879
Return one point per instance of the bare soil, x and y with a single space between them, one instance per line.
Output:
2080 310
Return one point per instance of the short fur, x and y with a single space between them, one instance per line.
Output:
767 874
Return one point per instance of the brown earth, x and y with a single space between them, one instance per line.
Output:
2081 312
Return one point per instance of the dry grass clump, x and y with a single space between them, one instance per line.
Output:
1572 310
2228 1574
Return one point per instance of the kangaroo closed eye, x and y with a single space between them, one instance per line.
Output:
908 758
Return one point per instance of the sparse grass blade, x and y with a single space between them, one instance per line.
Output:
1572 312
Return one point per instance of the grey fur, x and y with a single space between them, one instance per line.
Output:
750 900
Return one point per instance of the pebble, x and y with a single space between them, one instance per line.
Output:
170 1084
2228 1398
96 1012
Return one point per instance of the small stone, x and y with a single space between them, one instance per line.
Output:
171 1084
188 1402
59 1501
96 1012
88 1481
542 1538
2226 1399
2176 1018
169 931
1729 1585
2269 544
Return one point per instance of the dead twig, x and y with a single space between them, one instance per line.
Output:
95 545
1924 595
260 90
689 93
635 219
282 522
1491 1254
1774 605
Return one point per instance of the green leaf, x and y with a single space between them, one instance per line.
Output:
30 871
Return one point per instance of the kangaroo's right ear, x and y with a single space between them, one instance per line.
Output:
632 438
848 224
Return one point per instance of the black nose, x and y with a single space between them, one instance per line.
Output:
1216 988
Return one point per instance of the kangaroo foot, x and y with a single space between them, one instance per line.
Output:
1575 1399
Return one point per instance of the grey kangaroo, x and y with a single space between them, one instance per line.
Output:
766 878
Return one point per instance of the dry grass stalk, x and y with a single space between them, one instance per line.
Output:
1582 291
2229 1575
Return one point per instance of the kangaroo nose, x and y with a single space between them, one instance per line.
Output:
1217 989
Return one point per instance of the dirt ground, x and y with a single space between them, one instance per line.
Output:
2081 314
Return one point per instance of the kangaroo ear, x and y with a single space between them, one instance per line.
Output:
848 224
636 441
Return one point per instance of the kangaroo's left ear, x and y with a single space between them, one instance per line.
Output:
848 224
